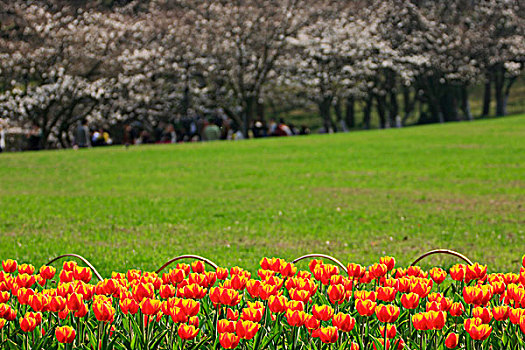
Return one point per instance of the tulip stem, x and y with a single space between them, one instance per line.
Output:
385 330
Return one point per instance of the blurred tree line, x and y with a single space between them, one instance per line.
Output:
116 61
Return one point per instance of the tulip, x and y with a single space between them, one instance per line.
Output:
295 318
500 313
74 301
69 266
28 324
451 341
129 306
288 270
187 332
322 312
9 265
229 340
252 314
343 322
387 313
225 326
389 261
233 315
390 331
47 272
312 322
103 310
328 335
457 272
354 346
365 307
150 306
336 293
65 334
378 270
246 329
355 270
83 274
410 301
277 304
438 275
456 309
387 294
483 313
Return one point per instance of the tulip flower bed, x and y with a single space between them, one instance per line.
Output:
188 307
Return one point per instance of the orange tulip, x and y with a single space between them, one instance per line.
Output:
389 261
187 332
225 326
387 313
438 275
476 329
483 313
252 314
9 265
343 322
390 331
74 301
336 293
410 301
246 329
28 324
47 272
233 315
457 272
365 307
322 312
65 334
456 309
327 335
229 340
295 318
500 313
452 340
150 306
387 294
277 304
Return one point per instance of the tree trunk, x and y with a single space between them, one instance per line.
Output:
381 101
393 111
367 110
408 103
324 111
465 104
499 80
350 112
248 113
486 97
339 116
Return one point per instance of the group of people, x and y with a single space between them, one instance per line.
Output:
191 128
197 128
86 137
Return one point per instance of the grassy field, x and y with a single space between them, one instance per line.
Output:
356 196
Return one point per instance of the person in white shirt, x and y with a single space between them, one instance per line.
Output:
2 138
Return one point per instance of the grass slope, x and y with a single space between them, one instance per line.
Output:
356 196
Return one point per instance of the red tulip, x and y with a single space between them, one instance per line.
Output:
343 322
65 334
451 341
246 329
187 332
229 340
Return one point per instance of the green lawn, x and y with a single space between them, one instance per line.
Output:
356 196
